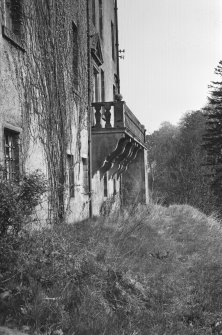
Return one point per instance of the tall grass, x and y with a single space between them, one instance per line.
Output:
146 270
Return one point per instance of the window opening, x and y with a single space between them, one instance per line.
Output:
95 85
11 150
114 92
112 40
93 12
101 18
70 175
114 186
75 51
105 182
13 15
102 86
85 174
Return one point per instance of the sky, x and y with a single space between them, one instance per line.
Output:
171 50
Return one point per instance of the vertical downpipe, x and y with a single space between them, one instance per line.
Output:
89 112
117 44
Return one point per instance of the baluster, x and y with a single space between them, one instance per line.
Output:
98 116
107 115
118 114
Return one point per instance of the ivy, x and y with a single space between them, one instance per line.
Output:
54 114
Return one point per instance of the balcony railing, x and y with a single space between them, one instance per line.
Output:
117 115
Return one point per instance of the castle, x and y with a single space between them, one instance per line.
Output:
61 110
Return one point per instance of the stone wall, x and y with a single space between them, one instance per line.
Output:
19 115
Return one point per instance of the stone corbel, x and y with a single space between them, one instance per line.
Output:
111 158
128 160
120 159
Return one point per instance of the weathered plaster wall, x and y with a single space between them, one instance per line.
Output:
12 104
110 66
110 69
10 108
134 180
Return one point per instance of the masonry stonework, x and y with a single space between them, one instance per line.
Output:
59 112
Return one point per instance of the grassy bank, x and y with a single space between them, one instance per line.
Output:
152 270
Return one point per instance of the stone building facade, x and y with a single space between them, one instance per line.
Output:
60 108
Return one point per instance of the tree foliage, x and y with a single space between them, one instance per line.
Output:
213 134
177 164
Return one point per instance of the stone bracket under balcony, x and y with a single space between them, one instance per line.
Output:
117 137
112 152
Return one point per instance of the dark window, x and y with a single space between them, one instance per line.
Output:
114 186
95 85
85 174
101 18
70 175
13 16
113 40
93 12
102 86
114 93
11 154
105 182
75 56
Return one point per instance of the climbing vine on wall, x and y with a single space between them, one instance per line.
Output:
53 110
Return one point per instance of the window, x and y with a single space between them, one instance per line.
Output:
105 182
75 56
95 85
11 151
112 40
93 12
114 186
101 18
70 175
85 174
102 85
114 92
13 16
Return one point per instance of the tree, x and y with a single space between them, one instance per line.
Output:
178 173
213 134
161 160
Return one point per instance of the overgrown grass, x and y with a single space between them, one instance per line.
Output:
151 270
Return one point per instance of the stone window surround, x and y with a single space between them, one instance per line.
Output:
17 131
9 35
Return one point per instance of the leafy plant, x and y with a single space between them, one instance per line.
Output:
18 200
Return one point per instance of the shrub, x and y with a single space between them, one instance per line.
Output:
18 200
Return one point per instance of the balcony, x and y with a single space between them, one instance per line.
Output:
116 116
117 137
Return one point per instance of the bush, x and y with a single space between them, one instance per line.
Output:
18 200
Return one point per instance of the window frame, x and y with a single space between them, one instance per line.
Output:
112 40
101 19
85 175
94 12
70 175
75 56
12 27
105 185
96 87
102 84
11 159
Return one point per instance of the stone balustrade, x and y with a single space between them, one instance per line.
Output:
117 115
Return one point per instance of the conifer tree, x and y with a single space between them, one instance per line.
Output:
213 136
